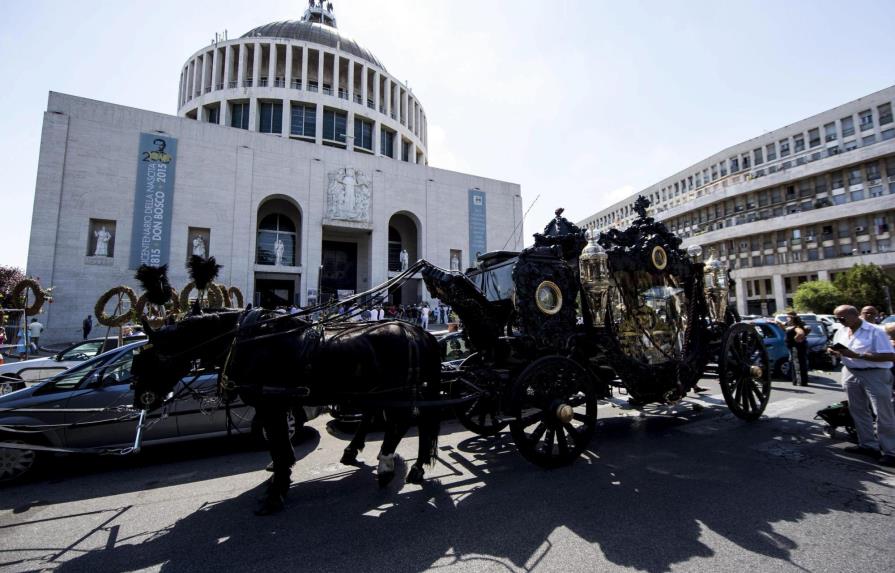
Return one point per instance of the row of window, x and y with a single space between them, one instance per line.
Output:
827 189
775 151
409 113
303 124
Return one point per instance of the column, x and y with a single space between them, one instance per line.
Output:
349 128
224 113
241 65
304 68
405 109
388 97
180 92
287 116
204 83
320 59
823 275
253 114
350 80
779 291
288 74
318 136
376 94
363 85
272 65
336 59
256 66
215 68
741 296
227 76
377 130
412 156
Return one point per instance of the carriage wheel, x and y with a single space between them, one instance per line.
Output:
480 415
554 411
744 372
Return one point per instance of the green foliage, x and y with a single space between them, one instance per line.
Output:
9 277
818 296
864 285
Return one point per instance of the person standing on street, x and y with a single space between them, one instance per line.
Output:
797 343
870 314
424 317
867 357
34 329
87 326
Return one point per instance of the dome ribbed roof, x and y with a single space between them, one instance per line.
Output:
313 32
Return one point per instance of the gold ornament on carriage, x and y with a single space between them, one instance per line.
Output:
659 258
548 297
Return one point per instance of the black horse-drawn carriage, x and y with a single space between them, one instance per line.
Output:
555 329
561 324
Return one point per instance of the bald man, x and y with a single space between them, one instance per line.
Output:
867 357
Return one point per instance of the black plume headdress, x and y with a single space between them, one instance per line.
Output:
203 270
155 283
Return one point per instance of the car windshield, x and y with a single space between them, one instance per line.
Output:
765 330
815 329
82 351
74 376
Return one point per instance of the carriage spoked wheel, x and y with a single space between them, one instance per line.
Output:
744 372
481 413
554 411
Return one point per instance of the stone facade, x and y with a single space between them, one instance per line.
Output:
225 178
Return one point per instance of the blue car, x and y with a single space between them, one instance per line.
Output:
775 342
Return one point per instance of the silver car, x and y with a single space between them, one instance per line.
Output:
87 409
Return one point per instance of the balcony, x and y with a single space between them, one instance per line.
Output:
232 84
296 84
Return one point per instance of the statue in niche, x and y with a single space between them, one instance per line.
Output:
199 248
455 261
102 242
348 195
278 247
404 258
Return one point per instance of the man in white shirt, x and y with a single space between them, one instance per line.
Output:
867 357
424 316
34 330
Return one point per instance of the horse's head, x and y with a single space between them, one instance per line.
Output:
173 351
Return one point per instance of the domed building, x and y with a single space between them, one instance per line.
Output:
295 159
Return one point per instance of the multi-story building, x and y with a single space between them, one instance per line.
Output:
296 160
799 203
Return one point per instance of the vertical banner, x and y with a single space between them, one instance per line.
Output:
151 238
478 230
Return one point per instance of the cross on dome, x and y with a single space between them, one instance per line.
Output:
320 12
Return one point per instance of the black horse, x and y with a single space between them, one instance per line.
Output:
275 362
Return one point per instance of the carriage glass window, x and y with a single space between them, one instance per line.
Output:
497 282
649 315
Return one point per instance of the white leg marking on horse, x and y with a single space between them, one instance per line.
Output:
386 463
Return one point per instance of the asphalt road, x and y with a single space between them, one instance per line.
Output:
676 489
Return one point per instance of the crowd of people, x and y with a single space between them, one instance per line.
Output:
420 314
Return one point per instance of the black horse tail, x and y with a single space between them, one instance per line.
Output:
430 416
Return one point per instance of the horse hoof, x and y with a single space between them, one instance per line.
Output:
270 505
415 475
385 478
349 457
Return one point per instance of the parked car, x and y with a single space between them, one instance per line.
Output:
17 375
888 319
67 403
819 337
775 343
831 322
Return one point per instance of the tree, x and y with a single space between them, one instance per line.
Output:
9 277
818 296
864 285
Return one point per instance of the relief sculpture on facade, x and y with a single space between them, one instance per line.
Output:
348 195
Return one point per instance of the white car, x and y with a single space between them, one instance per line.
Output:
17 375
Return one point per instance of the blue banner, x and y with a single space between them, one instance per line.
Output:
478 229
151 237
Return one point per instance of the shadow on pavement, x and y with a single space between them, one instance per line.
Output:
643 502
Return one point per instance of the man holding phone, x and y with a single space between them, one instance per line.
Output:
867 357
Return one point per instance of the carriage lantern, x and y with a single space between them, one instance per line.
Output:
716 285
594 266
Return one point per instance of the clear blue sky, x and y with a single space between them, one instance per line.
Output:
578 101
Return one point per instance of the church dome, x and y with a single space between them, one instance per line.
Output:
317 33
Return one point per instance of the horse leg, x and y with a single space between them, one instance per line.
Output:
349 454
395 429
429 423
282 455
